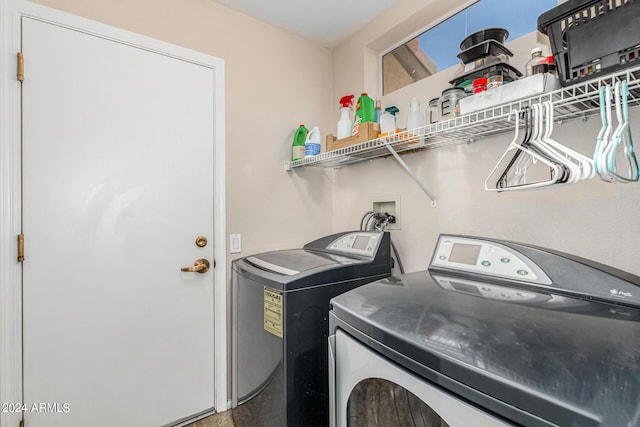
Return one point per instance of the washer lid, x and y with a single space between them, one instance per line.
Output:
563 359
295 261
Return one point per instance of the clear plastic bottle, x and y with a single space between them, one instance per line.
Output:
536 58
415 118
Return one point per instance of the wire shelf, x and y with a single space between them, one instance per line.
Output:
572 102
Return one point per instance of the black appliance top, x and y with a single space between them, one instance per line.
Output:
335 258
541 347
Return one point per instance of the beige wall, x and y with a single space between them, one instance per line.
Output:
592 219
274 82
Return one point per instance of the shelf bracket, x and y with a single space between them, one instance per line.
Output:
410 172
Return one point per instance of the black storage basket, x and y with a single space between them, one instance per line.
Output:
591 37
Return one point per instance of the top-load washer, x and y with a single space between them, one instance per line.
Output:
494 333
280 324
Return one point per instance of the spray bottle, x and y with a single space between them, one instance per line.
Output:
416 118
345 123
312 143
365 112
298 146
388 121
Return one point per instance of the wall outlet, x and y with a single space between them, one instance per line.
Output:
389 204
235 244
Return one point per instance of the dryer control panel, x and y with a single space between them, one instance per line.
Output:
357 243
485 257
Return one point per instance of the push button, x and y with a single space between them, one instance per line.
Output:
486 263
505 260
522 272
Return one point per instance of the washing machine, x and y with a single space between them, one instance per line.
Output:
494 333
280 324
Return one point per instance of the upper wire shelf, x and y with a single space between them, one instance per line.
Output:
576 101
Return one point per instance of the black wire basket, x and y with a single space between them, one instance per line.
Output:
592 37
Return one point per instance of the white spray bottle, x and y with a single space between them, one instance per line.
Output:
345 122
388 121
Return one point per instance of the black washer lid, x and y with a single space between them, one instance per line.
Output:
294 261
571 361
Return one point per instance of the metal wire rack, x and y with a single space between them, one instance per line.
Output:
572 102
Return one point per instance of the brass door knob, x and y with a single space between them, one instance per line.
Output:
199 266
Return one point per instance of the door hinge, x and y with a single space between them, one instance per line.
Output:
20 247
20 67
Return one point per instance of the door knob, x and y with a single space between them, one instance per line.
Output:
199 266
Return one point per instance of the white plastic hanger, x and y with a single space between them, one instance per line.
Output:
584 164
524 162
516 175
535 142
491 184
555 151
570 172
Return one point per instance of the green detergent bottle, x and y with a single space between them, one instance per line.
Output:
365 112
299 139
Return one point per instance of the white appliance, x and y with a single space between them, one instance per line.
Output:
494 333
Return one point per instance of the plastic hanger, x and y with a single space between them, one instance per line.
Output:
581 166
535 142
600 137
515 172
541 147
533 129
504 178
631 155
523 163
608 153
601 156
521 150
619 138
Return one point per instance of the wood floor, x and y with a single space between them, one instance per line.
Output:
223 419
379 403
373 403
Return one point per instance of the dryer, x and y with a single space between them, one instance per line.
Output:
494 333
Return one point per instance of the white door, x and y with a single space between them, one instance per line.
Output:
117 186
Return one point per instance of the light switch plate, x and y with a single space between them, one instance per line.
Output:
235 244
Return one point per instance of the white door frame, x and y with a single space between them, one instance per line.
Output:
11 12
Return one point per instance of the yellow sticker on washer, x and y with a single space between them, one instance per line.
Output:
273 312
